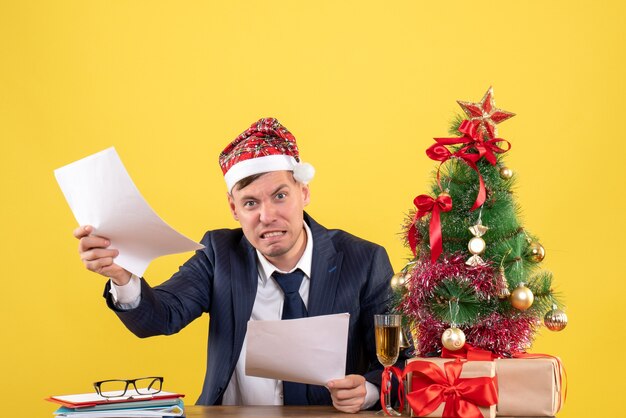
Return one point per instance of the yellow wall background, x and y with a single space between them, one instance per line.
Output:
364 86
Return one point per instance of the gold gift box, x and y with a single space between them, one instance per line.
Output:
529 386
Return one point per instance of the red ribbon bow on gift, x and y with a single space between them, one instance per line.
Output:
431 386
469 352
472 353
473 138
425 205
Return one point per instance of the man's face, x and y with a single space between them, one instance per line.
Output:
270 211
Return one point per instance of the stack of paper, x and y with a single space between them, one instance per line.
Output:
132 404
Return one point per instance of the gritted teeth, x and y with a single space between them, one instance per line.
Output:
273 234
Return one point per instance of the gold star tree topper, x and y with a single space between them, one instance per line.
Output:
485 113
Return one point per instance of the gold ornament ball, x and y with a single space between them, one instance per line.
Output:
537 252
506 173
522 297
404 279
443 194
555 320
453 339
398 280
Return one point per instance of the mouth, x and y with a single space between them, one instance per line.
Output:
272 234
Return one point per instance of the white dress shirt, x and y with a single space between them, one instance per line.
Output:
268 305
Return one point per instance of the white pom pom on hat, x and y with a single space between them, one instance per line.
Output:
303 172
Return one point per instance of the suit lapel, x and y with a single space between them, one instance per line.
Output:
325 268
244 279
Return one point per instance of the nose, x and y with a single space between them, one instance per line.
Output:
268 213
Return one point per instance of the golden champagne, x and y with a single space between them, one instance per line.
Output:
387 344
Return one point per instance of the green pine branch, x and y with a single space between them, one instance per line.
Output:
451 293
544 298
455 124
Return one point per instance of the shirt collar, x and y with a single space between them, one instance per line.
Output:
266 268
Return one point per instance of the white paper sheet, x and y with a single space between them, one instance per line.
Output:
101 194
308 350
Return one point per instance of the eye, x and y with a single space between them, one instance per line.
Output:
249 203
281 196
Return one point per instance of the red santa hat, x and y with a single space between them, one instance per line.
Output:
265 146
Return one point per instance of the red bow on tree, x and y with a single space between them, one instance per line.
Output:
425 205
476 147
430 386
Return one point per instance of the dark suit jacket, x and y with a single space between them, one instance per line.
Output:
348 275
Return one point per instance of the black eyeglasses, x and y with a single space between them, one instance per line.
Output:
115 388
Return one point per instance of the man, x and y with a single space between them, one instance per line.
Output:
241 275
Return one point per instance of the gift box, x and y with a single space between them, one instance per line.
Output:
529 386
437 387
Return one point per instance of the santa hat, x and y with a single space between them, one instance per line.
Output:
265 146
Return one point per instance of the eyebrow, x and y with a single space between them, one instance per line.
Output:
248 197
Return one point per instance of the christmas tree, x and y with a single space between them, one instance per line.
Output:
475 273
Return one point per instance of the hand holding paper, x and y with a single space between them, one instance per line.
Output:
315 353
101 193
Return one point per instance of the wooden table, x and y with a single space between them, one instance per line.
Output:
193 411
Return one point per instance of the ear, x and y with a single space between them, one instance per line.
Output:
306 194
231 205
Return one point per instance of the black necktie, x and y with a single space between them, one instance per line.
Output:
293 393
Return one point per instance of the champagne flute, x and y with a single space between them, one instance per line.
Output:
388 328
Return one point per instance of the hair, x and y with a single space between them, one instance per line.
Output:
246 181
